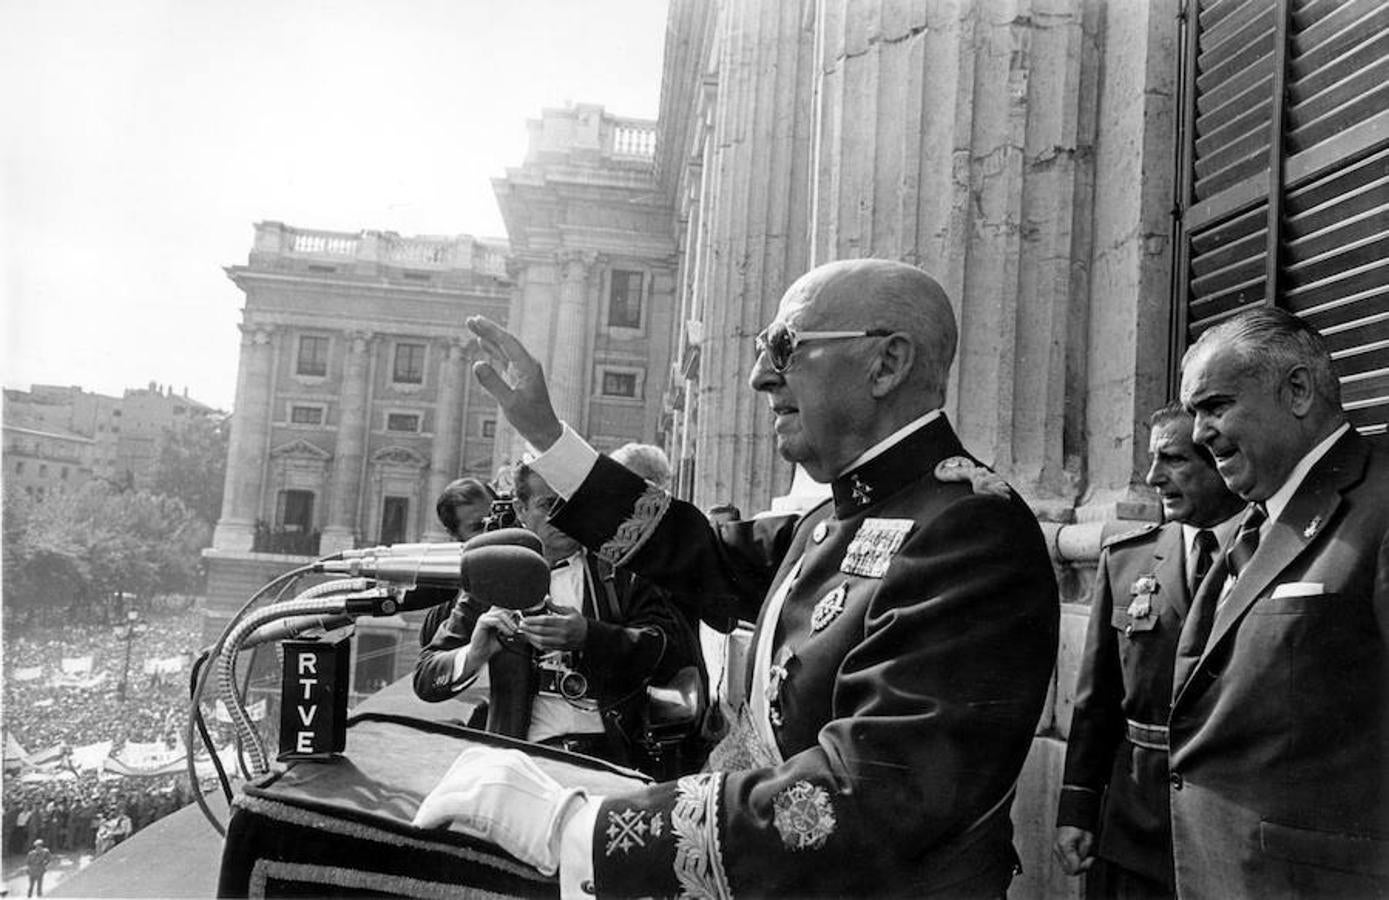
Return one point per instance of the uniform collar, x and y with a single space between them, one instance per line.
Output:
893 464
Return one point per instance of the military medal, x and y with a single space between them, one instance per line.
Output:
1142 604
776 677
1312 527
804 816
873 546
829 607
819 532
860 491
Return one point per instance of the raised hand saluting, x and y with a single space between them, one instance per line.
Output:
516 380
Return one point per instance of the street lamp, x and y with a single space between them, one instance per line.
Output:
127 633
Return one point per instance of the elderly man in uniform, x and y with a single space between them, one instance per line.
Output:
1280 719
906 631
1116 757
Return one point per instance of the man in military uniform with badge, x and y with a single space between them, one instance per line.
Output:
1116 756
906 632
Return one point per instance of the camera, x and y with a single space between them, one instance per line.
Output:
557 678
501 515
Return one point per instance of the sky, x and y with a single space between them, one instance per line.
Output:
141 140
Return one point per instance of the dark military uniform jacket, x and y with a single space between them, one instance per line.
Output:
913 654
635 637
1280 723
1116 754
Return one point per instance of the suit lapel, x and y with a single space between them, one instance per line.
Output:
1308 513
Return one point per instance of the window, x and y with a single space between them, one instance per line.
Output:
313 355
403 422
394 512
295 510
115 413
1284 147
619 384
306 415
64 474
409 364
624 299
43 470
19 467
489 428
179 410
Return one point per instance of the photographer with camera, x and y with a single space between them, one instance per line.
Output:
466 508
602 637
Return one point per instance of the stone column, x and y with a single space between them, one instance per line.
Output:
245 453
353 423
757 178
567 375
448 439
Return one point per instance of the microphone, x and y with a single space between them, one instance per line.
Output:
495 573
519 537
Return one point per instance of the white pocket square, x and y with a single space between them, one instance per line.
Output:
1298 589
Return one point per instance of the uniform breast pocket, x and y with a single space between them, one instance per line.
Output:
1129 626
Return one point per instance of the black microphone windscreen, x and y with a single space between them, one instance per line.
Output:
508 576
516 537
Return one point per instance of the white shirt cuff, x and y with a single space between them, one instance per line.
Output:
567 463
576 852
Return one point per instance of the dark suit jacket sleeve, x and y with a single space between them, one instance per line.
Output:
1097 721
644 647
931 714
724 571
434 669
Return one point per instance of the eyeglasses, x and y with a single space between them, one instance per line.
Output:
779 341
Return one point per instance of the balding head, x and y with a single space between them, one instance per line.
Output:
888 295
858 349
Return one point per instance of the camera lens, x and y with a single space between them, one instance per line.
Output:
573 685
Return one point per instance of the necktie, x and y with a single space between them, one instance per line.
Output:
1246 540
1206 545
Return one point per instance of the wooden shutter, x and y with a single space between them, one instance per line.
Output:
1283 191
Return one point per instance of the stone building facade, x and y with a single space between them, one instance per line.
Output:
594 262
120 435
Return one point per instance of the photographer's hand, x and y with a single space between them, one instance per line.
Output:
561 628
525 400
491 626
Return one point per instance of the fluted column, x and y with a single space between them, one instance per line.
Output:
353 421
246 451
568 384
757 176
448 442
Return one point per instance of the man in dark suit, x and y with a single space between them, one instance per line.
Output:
1116 756
1280 722
618 633
906 631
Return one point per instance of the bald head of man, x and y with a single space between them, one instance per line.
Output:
858 349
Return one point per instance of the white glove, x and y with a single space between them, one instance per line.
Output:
504 798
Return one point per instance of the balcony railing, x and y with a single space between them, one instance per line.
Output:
634 141
323 244
290 541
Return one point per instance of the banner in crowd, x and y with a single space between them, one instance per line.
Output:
80 682
76 665
256 711
169 665
30 673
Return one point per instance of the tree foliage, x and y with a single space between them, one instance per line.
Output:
192 466
75 548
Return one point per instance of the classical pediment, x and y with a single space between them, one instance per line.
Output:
399 456
302 449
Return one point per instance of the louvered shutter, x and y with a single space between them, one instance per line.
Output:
1284 181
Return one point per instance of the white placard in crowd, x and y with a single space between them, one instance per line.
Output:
31 673
76 665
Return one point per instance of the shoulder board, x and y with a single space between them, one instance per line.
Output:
982 479
1129 534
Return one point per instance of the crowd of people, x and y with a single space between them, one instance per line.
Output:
68 807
